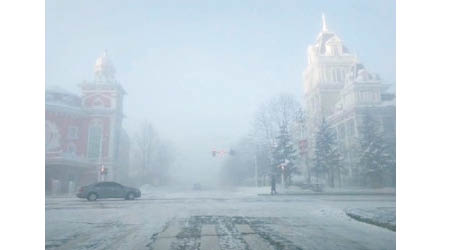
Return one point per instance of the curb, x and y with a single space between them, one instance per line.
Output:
372 222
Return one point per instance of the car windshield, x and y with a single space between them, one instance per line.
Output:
220 125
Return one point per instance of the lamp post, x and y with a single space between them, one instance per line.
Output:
101 160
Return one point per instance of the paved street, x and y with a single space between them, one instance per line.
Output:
233 219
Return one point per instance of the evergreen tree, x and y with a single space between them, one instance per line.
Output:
284 154
391 167
375 156
327 159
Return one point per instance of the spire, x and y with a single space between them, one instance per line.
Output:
104 69
324 23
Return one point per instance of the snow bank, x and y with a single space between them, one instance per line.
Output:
380 216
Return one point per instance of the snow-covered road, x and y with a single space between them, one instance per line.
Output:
233 219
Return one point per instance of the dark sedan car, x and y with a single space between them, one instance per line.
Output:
108 189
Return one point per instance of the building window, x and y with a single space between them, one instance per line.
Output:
95 141
72 133
340 75
328 75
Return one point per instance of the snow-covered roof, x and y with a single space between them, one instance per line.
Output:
57 96
57 89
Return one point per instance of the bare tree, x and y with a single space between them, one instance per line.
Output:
283 109
145 143
152 156
256 150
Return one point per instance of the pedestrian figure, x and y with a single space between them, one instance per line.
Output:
273 183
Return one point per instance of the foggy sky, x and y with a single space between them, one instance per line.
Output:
198 71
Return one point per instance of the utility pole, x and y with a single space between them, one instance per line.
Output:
101 176
256 172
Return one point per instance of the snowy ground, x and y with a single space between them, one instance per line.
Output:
215 219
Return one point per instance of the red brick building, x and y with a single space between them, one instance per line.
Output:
84 133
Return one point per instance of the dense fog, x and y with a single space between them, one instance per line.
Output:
199 73
252 125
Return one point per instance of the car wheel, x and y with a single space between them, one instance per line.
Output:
92 197
130 196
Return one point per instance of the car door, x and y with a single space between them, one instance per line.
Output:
102 190
109 189
117 190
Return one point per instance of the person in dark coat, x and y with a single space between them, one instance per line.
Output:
273 183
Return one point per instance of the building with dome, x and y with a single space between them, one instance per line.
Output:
84 138
339 89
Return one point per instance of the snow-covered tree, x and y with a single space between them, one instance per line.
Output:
284 154
376 156
279 110
327 159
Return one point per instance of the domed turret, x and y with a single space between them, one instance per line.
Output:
104 69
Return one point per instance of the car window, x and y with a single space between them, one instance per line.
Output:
116 185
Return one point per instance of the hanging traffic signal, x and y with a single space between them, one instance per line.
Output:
222 153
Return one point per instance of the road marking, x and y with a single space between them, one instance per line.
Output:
254 241
244 229
166 237
209 240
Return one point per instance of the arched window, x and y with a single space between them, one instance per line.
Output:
95 139
97 102
52 136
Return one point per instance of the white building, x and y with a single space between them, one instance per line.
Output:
339 89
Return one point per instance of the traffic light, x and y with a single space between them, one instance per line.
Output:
103 170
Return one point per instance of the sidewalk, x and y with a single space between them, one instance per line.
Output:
332 191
